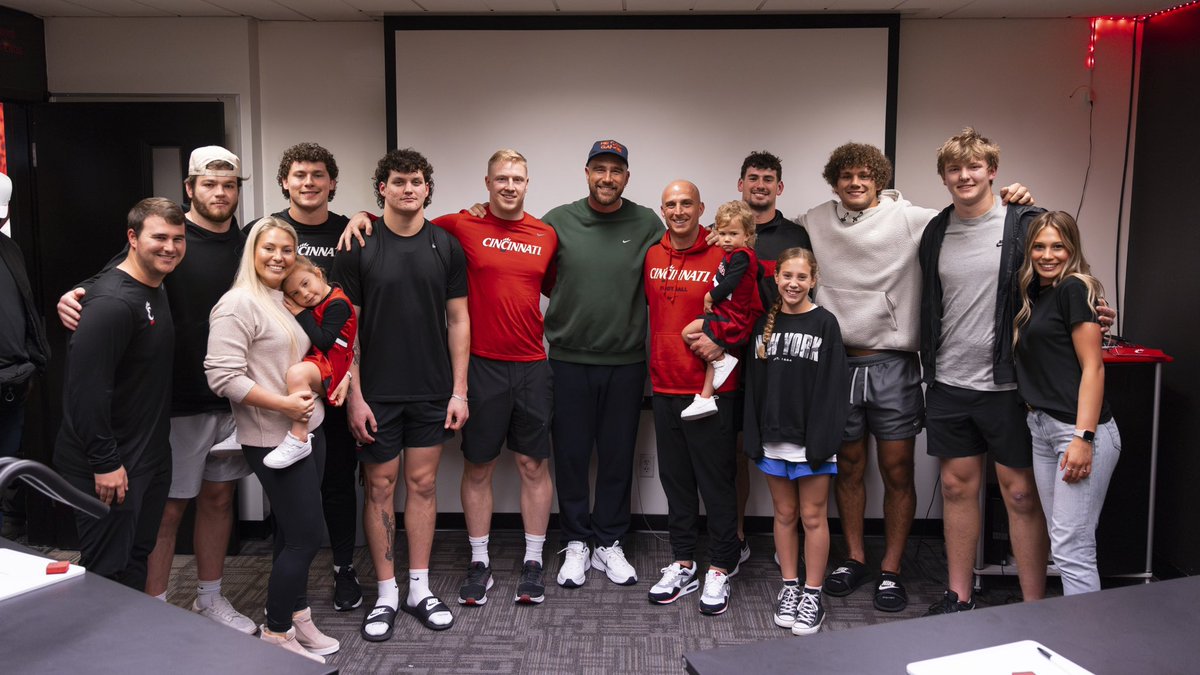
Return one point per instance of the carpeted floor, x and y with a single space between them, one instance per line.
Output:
599 628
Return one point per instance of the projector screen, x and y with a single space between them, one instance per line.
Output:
689 100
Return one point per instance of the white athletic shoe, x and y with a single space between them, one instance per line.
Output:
722 369
611 560
227 447
676 582
573 572
715 598
223 613
288 641
700 407
287 453
310 637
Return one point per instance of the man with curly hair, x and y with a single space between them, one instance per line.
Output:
408 390
867 242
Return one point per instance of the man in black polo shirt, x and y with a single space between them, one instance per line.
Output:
114 439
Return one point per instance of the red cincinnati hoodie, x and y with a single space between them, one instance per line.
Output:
676 282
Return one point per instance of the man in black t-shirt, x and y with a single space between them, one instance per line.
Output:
408 284
308 178
114 439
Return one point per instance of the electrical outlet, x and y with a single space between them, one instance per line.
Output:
646 466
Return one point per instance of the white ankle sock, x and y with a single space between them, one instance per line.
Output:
533 547
418 586
206 591
479 550
161 596
389 593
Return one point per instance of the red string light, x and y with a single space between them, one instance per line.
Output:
1090 61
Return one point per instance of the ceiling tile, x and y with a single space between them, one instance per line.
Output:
51 8
522 6
263 10
122 8
189 8
740 6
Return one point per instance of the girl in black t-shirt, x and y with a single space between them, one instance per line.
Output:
1060 374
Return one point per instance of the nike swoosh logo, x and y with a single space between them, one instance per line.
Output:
430 604
626 241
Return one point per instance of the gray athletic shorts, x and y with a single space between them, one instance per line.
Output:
885 396
192 437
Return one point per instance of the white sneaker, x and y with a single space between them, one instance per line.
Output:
227 447
700 407
287 453
809 615
676 582
575 565
611 560
722 369
310 637
715 598
223 613
288 641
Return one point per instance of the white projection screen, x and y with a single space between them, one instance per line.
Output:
689 101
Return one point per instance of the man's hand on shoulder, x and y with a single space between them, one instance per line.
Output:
70 308
1016 194
359 225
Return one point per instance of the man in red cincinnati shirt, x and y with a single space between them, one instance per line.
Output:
696 455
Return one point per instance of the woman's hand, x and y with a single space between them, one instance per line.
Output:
299 406
1076 462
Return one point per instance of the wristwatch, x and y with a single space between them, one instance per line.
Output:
1087 436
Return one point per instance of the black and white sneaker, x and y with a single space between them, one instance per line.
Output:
950 604
743 556
474 589
715 598
532 588
809 614
676 582
347 594
787 604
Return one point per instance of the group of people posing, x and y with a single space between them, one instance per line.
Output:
271 351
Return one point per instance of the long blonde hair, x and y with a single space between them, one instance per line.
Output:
247 281
1076 266
788 254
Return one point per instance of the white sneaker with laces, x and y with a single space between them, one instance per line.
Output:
611 560
700 407
287 453
722 369
223 613
676 582
715 598
809 615
786 605
573 572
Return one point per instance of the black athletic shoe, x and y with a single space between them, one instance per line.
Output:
950 604
532 588
474 589
347 594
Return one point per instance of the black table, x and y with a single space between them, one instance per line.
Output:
91 625
1143 629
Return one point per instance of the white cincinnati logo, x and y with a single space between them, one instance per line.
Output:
315 251
507 244
673 274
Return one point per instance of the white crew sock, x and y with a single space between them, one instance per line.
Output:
389 593
161 596
418 590
479 551
206 592
533 547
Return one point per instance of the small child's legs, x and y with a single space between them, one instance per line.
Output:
302 377
715 374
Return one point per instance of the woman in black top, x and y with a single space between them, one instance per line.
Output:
1060 374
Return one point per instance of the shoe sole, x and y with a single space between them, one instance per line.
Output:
481 600
252 631
324 651
713 612
697 416
277 465
690 588
784 623
527 599
347 608
599 564
809 631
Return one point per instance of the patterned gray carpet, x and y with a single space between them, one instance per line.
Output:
600 628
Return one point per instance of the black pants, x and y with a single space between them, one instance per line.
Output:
295 494
697 456
595 406
339 489
118 545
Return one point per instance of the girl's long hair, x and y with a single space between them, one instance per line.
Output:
788 254
247 280
1076 265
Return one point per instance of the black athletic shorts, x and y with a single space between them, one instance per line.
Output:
412 424
511 402
965 423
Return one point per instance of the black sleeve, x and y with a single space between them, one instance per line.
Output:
456 275
802 238
827 413
96 350
86 284
739 263
324 335
1073 304
347 271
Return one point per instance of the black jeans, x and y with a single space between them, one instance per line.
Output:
118 545
295 494
339 489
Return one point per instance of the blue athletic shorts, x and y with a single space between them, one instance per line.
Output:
793 470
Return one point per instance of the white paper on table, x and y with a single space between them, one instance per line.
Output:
1025 656
21 573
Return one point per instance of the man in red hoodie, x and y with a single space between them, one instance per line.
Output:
697 455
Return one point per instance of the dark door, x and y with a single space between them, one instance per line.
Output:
90 163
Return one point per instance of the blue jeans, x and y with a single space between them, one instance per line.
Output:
1072 509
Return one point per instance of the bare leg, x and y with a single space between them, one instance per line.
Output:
785 500
476 492
420 504
303 377
852 495
379 515
707 390
1027 529
814 513
961 480
158 565
899 498
214 522
536 493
